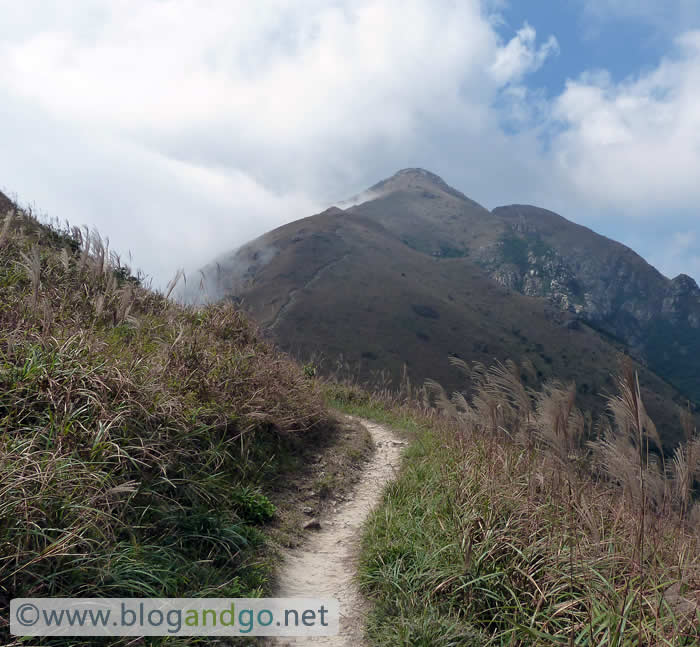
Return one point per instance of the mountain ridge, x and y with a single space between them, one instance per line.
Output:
538 252
409 278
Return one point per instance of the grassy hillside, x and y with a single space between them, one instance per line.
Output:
149 449
539 253
141 442
402 227
339 286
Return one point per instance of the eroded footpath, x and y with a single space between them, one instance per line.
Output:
325 565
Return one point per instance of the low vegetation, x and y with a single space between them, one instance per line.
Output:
139 439
518 520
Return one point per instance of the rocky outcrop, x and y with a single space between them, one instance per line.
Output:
605 283
682 301
533 268
539 253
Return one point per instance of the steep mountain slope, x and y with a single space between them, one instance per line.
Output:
401 279
608 284
539 253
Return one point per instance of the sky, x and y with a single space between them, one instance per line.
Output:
181 129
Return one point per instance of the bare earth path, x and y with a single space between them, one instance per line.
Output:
324 567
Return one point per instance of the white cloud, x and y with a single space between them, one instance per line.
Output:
522 56
635 146
183 128
209 122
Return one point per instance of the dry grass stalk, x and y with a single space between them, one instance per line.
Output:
32 264
100 445
5 231
180 274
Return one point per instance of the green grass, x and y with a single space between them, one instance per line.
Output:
405 556
514 249
356 401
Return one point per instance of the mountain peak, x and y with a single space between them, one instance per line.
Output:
413 179
685 283
420 173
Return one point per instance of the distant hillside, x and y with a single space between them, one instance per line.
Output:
539 253
419 272
608 284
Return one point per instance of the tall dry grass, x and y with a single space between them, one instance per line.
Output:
135 434
519 520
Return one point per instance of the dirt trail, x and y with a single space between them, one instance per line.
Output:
324 567
291 297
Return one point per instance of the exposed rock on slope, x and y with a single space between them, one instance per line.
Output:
607 284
